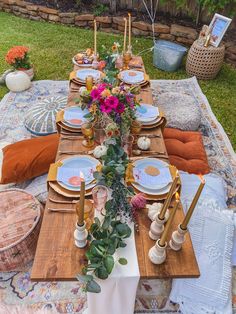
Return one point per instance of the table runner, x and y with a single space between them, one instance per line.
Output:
118 292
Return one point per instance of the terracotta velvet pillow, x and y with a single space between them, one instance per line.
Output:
27 159
186 151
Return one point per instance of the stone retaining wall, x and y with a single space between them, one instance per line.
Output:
178 33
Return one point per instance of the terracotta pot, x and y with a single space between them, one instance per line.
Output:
29 72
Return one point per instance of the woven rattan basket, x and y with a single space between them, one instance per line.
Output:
204 62
20 220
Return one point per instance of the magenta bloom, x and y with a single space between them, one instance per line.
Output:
111 102
104 108
120 108
95 94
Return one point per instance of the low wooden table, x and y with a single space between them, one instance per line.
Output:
57 258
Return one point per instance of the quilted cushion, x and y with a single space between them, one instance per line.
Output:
27 159
181 111
186 151
41 119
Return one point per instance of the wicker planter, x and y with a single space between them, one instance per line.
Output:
20 218
204 62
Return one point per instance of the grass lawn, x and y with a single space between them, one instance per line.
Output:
52 47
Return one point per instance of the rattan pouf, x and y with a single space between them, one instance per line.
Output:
204 62
20 219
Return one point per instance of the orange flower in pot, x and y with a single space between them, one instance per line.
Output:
18 58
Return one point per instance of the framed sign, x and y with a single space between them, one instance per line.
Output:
218 27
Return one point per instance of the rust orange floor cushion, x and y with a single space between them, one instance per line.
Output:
27 159
186 151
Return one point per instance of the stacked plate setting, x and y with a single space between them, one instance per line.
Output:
73 118
72 172
152 184
147 114
133 77
81 75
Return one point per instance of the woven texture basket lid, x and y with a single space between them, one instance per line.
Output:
19 215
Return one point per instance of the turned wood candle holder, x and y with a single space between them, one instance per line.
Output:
157 226
157 254
178 238
80 235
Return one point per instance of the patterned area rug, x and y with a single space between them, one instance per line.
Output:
17 293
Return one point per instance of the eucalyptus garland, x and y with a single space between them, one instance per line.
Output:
108 235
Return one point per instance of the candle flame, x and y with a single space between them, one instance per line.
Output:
129 14
177 196
202 179
81 175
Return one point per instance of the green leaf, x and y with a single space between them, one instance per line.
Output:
107 222
123 230
123 261
84 278
109 263
93 286
122 244
101 272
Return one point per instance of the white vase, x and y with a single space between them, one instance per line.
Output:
17 81
29 72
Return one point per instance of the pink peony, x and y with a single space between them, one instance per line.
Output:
138 201
111 102
120 108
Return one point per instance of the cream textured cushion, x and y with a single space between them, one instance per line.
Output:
181 111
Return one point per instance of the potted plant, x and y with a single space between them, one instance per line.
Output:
18 58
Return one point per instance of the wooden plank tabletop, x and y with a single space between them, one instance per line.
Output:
58 259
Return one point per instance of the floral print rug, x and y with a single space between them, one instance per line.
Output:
18 294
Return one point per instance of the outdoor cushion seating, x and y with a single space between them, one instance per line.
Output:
27 159
180 110
41 118
186 151
20 217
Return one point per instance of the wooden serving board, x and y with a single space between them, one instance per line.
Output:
57 258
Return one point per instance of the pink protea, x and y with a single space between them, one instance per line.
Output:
138 201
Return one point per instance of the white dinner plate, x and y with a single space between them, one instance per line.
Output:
147 113
82 74
80 163
148 183
74 116
132 76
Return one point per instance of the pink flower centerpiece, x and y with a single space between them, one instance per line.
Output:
108 103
